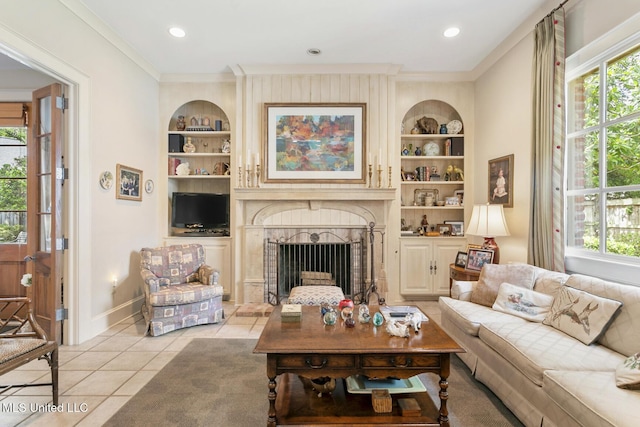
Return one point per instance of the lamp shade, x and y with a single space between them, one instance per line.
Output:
488 221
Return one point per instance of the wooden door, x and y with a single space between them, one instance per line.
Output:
44 209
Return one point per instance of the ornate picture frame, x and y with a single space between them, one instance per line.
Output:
314 142
128 183
501 181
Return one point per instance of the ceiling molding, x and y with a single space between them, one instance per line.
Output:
198 78
268 69
88 17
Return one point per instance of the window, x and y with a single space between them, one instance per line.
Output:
603 157
13 184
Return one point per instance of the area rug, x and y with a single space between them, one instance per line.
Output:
220 382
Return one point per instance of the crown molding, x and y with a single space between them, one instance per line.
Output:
268 69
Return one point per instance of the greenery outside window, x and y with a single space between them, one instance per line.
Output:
603 158
13 184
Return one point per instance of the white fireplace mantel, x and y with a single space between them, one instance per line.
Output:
315 193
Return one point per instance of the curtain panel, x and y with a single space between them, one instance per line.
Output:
546 239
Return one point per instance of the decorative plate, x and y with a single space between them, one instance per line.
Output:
431 149
454 126
148 186
106 180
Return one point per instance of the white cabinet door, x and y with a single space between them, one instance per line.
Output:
444 254
415 267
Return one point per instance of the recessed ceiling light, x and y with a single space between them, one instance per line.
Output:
177 32
451 32
314 51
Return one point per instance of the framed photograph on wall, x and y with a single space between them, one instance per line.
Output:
128 182
314 142
501 181
477 258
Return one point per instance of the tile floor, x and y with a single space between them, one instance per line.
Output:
97 377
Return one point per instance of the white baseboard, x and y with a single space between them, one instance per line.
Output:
124 311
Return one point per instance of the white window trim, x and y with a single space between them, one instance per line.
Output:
606 266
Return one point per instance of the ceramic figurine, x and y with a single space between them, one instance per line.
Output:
345 303
397 329
189 147
363 314
183 169
226 146
180 124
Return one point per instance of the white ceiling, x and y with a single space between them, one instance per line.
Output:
226 33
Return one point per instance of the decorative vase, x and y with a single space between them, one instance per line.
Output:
378 319
330 318
189 147
443 128
345 303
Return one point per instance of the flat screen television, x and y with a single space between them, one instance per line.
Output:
200 211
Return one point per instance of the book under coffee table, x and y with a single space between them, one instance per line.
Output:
311 349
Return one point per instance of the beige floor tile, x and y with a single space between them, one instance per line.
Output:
100 383
89 361
235 331
117 343
130 361
84 346
235 320
136 330
178 344
36 365
66 380
160 360
115 329
16 409
202 331
154 343
73 410
135 383
104 411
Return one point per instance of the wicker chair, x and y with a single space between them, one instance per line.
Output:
23 340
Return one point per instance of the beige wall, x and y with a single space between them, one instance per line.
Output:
503 110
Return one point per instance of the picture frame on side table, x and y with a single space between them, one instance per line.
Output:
477 258
461 259
315 142
457 227
128 183
501 181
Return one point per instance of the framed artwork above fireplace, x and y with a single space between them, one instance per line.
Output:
314 142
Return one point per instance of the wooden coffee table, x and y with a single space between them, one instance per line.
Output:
310 349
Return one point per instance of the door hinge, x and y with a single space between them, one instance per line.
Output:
62 314
62 173
62 244
62 103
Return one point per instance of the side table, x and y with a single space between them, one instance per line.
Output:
459 273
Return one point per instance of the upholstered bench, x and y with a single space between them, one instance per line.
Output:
317 288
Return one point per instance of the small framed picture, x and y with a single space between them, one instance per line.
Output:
444 229
457 227
128 183
477 258
473 246
461 259
452 201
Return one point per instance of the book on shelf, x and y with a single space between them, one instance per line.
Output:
173 164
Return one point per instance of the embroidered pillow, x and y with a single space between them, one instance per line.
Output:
521 302
628 373
580 314
493 275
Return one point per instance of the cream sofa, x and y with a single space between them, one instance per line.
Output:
543 375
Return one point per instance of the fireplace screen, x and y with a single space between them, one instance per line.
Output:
304 260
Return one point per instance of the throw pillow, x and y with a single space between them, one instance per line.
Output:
580 314
628 373
493 275
521 302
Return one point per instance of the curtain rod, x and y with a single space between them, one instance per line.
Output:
559 6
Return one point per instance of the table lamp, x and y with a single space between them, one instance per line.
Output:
488 221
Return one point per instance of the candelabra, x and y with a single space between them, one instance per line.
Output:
379 176
249 173
240 180
389 177
370 174
258 176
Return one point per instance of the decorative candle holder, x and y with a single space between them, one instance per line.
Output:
379 176
389 177
257 176
249 172
370 174
240 179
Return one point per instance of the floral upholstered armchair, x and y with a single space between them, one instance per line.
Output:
180 289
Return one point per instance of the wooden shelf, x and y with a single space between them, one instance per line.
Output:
431 135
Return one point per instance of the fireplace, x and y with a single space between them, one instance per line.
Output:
340 260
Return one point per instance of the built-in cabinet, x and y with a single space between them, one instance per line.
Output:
432 193
424 266
205 144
